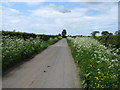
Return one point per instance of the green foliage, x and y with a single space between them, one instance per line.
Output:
105 33
110 40
110 33
98 65
94 33
64 33
28 35
117 32
17 47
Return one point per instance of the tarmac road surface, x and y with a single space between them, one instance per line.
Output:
52 68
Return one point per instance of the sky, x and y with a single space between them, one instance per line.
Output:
51 17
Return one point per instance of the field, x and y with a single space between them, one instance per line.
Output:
98 64
17 47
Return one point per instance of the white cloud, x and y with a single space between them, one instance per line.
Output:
52 19
60 12
33 3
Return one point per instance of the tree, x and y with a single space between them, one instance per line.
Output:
64 33
110 33
105 33
117 32
59 34
94 33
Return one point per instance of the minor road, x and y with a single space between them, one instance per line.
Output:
52 68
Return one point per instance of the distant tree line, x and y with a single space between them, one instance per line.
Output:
103 33
108 38
25 35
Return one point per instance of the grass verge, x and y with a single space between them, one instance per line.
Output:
99 66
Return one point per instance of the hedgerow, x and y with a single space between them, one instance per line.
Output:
110 40
17 46
25 35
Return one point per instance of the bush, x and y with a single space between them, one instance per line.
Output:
28 35
110 40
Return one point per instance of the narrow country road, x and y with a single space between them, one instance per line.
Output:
53 68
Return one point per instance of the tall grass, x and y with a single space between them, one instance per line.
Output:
99 66
15 49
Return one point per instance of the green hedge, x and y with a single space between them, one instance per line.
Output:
110 40
25 35
17 46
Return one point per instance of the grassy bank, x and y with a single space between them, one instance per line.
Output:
98 65
18 48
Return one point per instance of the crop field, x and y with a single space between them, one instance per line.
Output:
99 65
17 47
